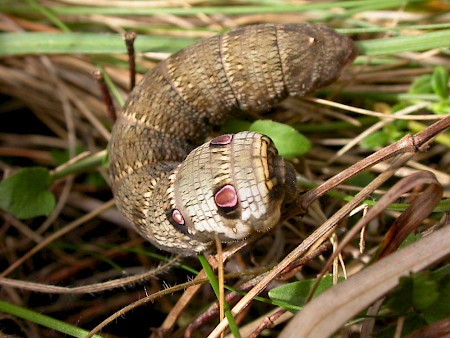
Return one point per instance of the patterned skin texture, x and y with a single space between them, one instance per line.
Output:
234 185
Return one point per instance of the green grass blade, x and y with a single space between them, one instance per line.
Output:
84 164
83 43
399 44
215 285
136 10
111 86
48 14
94 43
43 320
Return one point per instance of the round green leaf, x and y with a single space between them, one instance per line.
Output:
25 194
289 142
439 82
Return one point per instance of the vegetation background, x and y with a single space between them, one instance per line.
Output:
64 249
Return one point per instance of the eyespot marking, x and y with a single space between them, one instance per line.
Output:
179 86
221 140
226 197
177 216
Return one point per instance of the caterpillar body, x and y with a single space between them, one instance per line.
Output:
234 185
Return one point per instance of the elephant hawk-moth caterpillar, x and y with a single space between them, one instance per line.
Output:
234 185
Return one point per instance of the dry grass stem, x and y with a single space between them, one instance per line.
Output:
376 172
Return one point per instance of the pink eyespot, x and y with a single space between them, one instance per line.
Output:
221 140
177 216
226 197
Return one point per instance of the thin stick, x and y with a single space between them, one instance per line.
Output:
408 144
418 210
69 227
314 240
129 38
184 300
106 95
220 278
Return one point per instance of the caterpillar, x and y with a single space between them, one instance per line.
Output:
178 196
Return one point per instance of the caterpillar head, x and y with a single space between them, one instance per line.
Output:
233 185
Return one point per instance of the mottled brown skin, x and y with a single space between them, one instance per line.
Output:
177 104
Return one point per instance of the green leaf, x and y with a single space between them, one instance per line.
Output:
96 180
289 142
105 159
25 195
62 156
442 273
440 309
38 318
400 300
362 179
425 291
425 294
421 85
393 131
376 139
410 239
441 107
439 82
233 126
296 293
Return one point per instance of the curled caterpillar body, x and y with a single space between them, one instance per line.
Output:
234 185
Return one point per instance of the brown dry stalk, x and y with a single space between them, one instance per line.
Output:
419 209
268 322
58 234
191 285
436 330
409 143
329 311
51 105
220 274
129 38
97 287
106 95
184 300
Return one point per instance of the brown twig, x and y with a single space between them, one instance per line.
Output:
184 300
57 234
293 268
418 210
213 310
129 38
331 309
408 144
267 323
434 330
106 95
97 287
220 274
